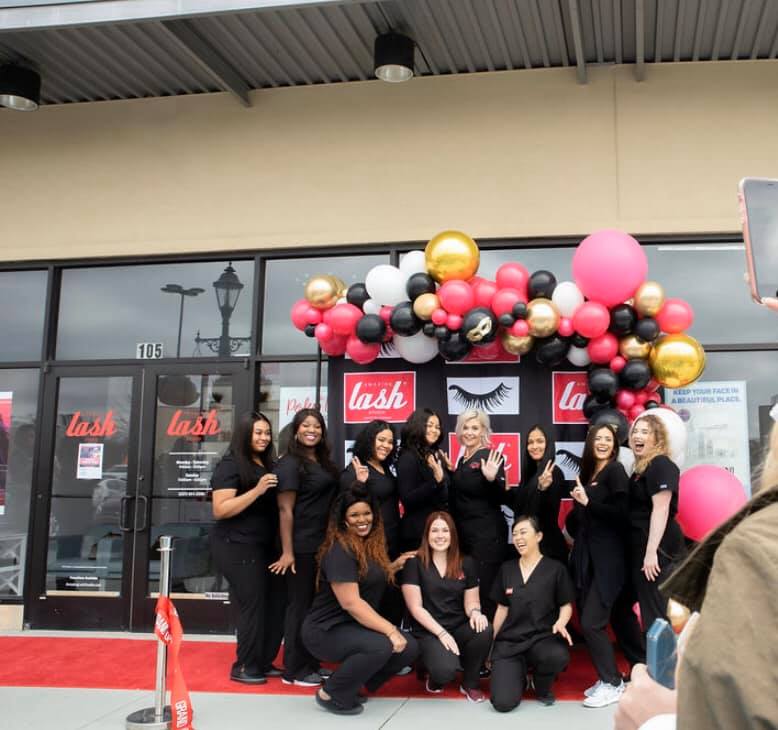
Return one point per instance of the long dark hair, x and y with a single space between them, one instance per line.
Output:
453 554
588 459
321 450
244 454
364 444
529 467
414 433
369 549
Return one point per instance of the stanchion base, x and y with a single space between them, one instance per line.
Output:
144 720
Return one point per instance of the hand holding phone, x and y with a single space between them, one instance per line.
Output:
661 654
758 199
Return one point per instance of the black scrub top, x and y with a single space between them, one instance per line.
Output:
340 566
383 487
315 488
533 608
258 523
443 597
599 531
420 495
660 475
528 499
475 505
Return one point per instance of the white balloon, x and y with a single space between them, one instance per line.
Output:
386 284
627 459
416 348
413 263
676 432
371 306
579 356
567 297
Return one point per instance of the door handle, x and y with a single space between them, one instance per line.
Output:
143 505
123 513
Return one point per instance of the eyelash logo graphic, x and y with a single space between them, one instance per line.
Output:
493 395
484 401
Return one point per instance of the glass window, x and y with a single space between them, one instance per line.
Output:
284 283
189 310
18 405
23 305
284 389
558 261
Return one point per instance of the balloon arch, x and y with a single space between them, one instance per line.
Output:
609 318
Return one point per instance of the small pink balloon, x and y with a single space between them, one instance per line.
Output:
636 411
388 334
625 399
708 495
323 333
313 316
299 312
456 296
344 318
565 328
617 364
504 299
453 322
362 352
591 319
675 316
385 313
641 397
483 291
439 317
520 328
513 275
603 349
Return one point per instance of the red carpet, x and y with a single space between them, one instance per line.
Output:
129 664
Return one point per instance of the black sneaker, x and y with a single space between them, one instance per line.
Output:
324 673
546 700
336 708
273 671
247 677
309 680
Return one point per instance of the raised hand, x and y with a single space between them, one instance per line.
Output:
579 493
546 476
491 465
437 469
361 471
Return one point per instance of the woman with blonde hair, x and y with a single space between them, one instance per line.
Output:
477 491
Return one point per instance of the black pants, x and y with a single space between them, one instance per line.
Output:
595 614
442 664
258 597
547 658
300 589
630 638
365 657
487 572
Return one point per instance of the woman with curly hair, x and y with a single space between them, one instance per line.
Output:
343 624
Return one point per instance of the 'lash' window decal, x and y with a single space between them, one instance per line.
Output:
493 395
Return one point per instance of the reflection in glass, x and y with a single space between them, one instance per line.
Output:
22 304
106 312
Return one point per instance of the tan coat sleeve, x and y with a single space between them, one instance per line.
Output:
729 673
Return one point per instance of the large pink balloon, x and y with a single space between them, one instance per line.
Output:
362 352
344 318
608 266
299 313
603 349
675 316
708 495
456 296
513 275
591 320
483 291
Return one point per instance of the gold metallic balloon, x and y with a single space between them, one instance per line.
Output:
451 255
632 346
649 298
677 360
425 304
677 615
342 286
542 317
323 291
516 345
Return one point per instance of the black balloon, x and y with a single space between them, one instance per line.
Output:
635 374
519 310
614 418
357 294
419 284
480 326
442 332
506 320
403 321
592 405
623 318
310 330
455 348
579 340
371 328
428 328
541 284
646 329
551 351
603 383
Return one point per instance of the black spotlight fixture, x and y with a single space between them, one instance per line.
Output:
20 88
393 56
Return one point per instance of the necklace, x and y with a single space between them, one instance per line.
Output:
527 571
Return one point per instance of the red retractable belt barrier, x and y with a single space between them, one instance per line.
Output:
167 627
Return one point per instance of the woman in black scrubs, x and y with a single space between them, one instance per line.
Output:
422 475
343 624
307 483
440 586
656 540
244 542
535 601
598 560
541 491
477 490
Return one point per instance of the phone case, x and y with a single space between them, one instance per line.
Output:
661 656
752 282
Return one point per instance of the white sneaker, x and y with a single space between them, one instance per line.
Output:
589 691
606 694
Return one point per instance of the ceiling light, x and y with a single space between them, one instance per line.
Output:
393 56
20 88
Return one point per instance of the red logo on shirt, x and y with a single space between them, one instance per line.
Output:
509 591
509 444
389 396
568 392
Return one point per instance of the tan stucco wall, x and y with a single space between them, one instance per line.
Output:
505 154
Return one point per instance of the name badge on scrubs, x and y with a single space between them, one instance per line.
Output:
509 591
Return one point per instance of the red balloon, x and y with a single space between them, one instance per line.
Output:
483 291
453 322
625 399
641 397
323 333
388 334
513 276
336 346
617 364
520 328
299 313
362 352
675 316
344 318
603 349
565 328
635 411
313 316
456 296
591 319
439 317
386 313
504 299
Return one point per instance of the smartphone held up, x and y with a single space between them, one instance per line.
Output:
758 198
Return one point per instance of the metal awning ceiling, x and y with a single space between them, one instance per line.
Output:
124 49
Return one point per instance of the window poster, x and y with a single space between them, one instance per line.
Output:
6 401
716 416
293 399
90 461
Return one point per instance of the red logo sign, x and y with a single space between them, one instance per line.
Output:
101 427
509 444
200 425
569 391
389 396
